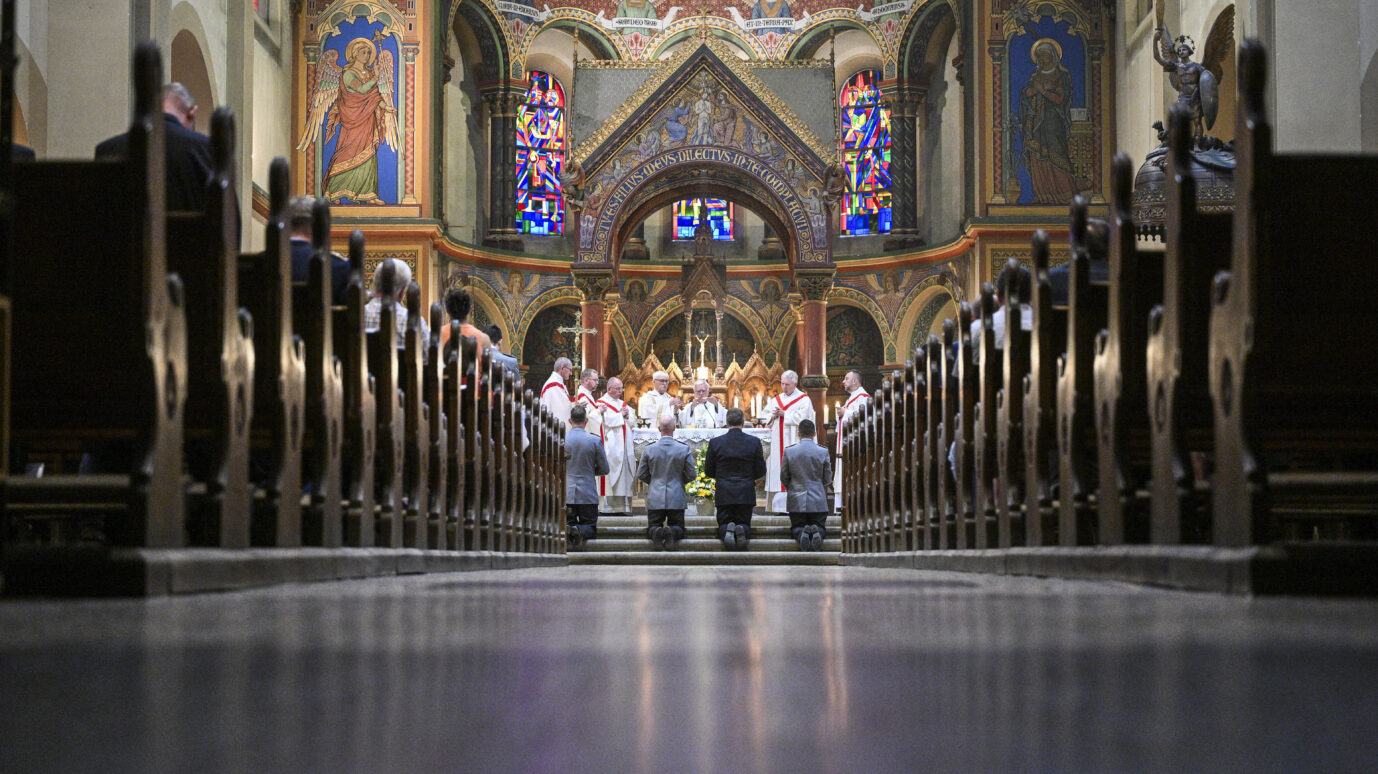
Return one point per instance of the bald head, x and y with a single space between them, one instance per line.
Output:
667 424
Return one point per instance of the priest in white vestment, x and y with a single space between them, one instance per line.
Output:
588 382
658 402
555 393
615 489
783 414
856 400
704 410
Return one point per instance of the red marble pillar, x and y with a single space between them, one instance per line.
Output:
814 288
594 287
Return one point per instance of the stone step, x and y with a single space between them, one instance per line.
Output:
692 520
704 531
706 558
762 543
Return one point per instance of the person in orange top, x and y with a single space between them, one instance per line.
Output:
458 303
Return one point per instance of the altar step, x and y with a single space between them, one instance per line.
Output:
622 540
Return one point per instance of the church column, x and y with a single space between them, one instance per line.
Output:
593 287
503 101
904 145
814 288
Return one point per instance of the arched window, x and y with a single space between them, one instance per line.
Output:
690 212
866 156
541 156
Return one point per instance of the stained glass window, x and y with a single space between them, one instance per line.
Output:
866 156
688 213
541 156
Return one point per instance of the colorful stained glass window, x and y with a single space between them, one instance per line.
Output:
866 156
690 212
541 156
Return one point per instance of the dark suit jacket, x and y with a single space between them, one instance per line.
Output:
736 461
1059 278
22 153
189 163
301 271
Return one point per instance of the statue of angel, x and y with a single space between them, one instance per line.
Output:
357 101
1197 83
572 185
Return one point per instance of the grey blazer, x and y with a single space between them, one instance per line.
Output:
666 465
585 460
508 361
808 476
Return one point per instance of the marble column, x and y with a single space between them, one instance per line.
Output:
635 249
593 287
905 105
502 101
814 288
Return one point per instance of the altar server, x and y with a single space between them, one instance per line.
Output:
658 402
588 382
615 489
704 410
783 414
856 401
554 394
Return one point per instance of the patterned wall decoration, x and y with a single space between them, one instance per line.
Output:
924 324
640 296
766 296
854 341
999 257
359 138
543 342
412 258
1048 79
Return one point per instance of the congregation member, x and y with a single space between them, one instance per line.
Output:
704 410
658 401
736 462
666 466
615 489
856 401
588 382
1023 287
458 304
374 308
505 360
188 163
555 393
805 475
299 219
584 463
783 414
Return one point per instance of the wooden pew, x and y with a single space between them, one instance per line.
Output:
437 434
265 289
415 425
1120 368
967 394
890 515
907 462
530 477
220 355
846 449
456 460
512 441
1040 402
933 466
105 375
1294 390
475 454
1198 246
359 442
391 435
1011 526
1076 425
916 420
989 380
312 315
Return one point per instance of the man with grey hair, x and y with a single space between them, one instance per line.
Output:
658 402
615 489
588 382
555 392
188 162
666 466
704 410
299 219
401 273
783 414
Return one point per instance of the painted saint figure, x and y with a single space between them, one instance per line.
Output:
771 9
1045 109
356 100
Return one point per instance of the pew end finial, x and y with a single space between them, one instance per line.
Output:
987 304
1039 247
279 185
413 306
1122 188
1253 78
222 142
320 224
148 82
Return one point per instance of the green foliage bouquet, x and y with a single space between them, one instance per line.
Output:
702 487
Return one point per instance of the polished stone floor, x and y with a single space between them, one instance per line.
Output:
686 669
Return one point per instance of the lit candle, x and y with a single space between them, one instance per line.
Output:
825 414
736 401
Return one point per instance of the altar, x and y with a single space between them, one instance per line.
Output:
695 437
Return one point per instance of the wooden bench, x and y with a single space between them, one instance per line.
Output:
455 431
391 434
438 438
416 432
220 355
359 441
934 465
967 395
1011 525
984 435
1040 403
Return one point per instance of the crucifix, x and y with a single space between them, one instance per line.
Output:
703 348
579 330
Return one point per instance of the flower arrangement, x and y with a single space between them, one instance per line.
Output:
702 487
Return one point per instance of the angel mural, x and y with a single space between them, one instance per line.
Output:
358 102
1197 83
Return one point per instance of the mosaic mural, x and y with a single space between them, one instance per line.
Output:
544 342
854 341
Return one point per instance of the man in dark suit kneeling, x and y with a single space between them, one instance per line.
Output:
736 461
585 461
807 477
666 466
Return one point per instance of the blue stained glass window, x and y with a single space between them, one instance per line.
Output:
865 155
689 212
541 156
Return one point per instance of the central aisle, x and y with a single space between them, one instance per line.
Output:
694 669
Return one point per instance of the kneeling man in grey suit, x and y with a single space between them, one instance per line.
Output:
585 461
807 475
666 466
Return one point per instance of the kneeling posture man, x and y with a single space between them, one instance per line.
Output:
666 466
584 462
807 476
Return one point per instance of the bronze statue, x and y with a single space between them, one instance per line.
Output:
1197 83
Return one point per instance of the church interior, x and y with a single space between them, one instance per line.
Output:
1075 290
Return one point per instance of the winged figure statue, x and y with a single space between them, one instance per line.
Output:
357 101
1197 83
